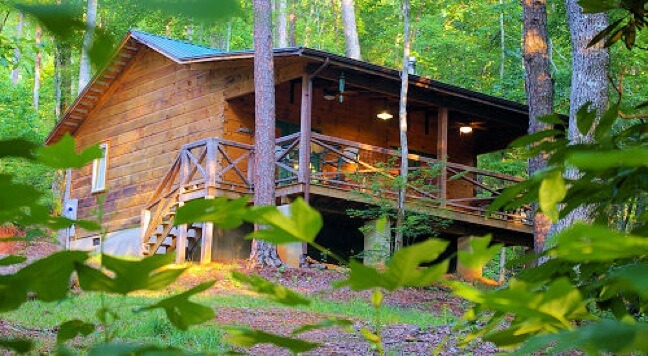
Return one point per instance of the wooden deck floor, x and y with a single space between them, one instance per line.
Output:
511 232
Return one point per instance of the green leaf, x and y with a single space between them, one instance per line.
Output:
585 118
627 278
326 323
601 35
12 259
303 224
112 349
535 309
607 121
552 191
64 21
182 312
15 196
276 292
534 137
583 243
605 159
21 346
594 6
198 10
129 276
49 278
71 328
370 335
245 337
403 270
601 337
17 148
480 253
376 298
551 119
62 154
224 213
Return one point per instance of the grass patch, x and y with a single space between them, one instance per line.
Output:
152 327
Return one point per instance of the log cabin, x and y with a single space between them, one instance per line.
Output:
175 121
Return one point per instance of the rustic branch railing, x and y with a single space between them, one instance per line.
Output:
374 172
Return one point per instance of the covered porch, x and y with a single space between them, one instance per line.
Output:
332 149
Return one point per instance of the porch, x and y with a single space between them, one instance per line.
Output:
331 172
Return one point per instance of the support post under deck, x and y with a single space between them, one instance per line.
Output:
305 134
442 154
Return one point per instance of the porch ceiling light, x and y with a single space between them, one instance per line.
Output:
385 115
465 129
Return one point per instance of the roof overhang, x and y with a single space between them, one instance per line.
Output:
423 89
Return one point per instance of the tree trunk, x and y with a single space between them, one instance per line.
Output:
15 74
540 92
502 42
85 65
37 67
350 30
282 24
402 121
293 20
263 253
62 77
590 67
228 41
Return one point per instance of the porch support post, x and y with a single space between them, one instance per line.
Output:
181 242
305 134
291 253
206 243
377 242
469 274
442 154
144 224
212 166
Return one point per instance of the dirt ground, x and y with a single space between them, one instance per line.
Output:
398 339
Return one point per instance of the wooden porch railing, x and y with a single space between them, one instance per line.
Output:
374 172
214 166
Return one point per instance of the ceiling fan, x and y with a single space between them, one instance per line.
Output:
339 91
466 127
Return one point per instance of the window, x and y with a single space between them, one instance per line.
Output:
99 170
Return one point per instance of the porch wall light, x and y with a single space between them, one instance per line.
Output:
385 115
465 129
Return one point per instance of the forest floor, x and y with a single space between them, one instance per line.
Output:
414 320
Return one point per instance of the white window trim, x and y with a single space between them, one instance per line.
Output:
100 186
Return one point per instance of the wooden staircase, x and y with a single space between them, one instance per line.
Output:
195 174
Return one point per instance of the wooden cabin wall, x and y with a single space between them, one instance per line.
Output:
156 107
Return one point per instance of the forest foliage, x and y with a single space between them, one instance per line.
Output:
590 294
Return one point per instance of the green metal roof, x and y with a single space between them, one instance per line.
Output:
178 50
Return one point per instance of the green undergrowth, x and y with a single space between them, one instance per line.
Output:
152 326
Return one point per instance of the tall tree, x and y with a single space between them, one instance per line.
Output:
402 124
62 76
292 19
282 24
85 65
502 41
37 66
590 68
15 74
264 253
540 94
350 30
